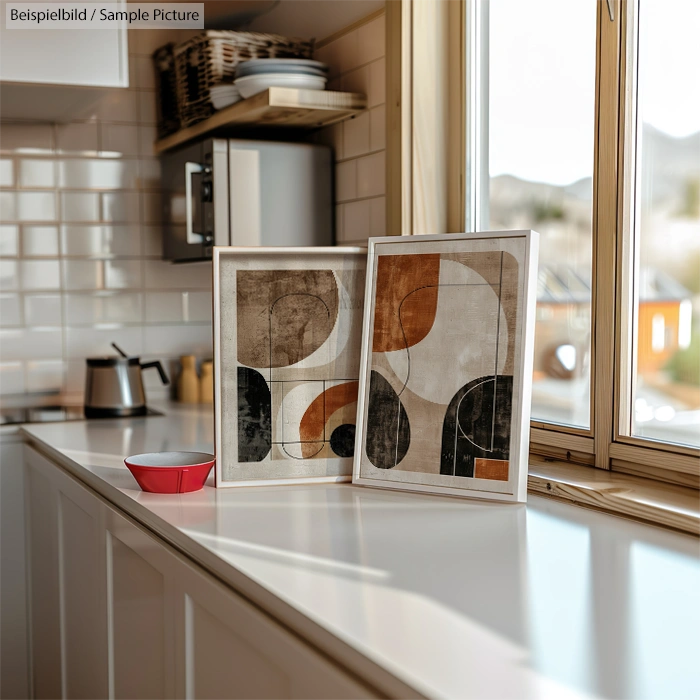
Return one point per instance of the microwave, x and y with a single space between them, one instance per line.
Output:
240 192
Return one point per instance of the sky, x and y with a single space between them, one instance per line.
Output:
542 82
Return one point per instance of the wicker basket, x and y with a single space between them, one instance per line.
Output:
166 86
211 58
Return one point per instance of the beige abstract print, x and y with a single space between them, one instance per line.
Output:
297 356
441 370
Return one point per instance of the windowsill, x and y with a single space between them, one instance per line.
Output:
676 507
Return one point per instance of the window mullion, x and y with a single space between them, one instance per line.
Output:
605 230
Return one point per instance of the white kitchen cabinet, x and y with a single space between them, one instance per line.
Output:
14 674
43 579
116 612
86 57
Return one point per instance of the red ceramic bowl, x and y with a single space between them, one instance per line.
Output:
170 472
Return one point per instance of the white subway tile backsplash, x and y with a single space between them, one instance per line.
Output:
89 309
144 72
8 206
36 206
75 375
10 310
31 343
347 51
39 241
356 220
80 206
77 138
86 342
356 81
346 181
377 83
147 137
40 274
147 107
152 240
377 217
83 274
149 174
370 175
377 129
371 40
151 207
120 207
101 241
11 378
159 274
178 307
45 375
7 172
356 136
119 139
37 173
98 173
9 277
119 106
339 224
123 274
26 138
178 340
9 240
42 310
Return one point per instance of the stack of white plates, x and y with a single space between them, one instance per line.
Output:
224 95
259 74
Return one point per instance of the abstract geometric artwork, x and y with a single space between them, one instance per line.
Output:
445 379
288 324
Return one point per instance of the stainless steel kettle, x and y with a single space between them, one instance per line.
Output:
114 388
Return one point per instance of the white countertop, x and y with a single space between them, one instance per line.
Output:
454 598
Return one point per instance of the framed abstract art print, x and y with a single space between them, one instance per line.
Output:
287 336
446 367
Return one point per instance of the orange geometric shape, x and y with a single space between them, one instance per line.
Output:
320 410
494 469
405 300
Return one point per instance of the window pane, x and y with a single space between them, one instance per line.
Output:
541 126
666 395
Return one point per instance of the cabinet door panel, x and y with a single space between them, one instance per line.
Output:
64 56
14 671
223 664
42 518
138 629
82 584
234 650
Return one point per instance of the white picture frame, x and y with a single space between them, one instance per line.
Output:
390 370
245 277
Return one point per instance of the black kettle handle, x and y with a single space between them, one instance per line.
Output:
159 367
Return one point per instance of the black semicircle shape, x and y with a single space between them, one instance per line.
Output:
477 424
343 440
388 430
254 416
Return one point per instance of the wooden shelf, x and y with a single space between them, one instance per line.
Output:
276 107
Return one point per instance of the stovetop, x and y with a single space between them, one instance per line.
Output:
49 414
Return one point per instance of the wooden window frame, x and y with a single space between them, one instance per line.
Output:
435 184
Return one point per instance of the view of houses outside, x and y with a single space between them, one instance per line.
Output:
541 128
666 399
542 82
